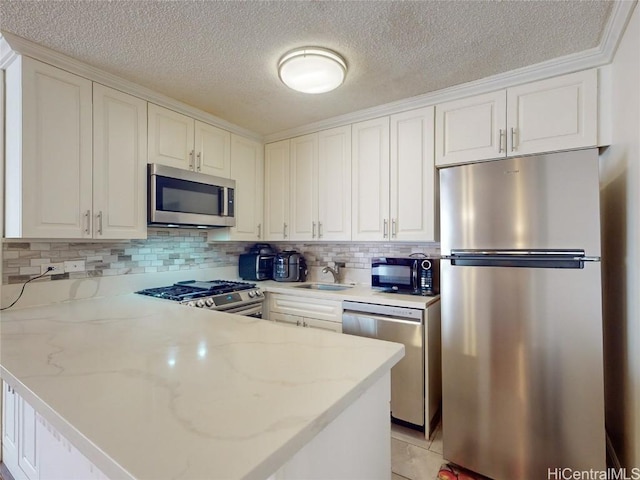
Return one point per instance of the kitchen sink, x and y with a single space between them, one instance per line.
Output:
324 286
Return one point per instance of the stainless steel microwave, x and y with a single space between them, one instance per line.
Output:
182 198
413 275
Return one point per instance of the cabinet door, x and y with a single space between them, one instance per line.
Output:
334 184
555 114
119 164
412 199
48 152
27 441
322 325
304 188
247 169
370 180
10 423
170 138
471 129
276 176
213 150
59 459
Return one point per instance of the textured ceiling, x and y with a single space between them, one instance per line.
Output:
220 56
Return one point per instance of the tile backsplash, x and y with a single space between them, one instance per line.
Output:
175 249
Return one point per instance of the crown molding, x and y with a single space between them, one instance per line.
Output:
595 57
11 45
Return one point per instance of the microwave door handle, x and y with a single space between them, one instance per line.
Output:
414 269
225 202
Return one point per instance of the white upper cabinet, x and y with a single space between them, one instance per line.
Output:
412 189
247 169
179 141
64 178
48 152
370 189
119 164
276 184
312 199
213 150
304 187
471 129
334 184
393 178
171 137
555 114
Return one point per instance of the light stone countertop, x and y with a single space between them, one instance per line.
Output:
148 389
357 293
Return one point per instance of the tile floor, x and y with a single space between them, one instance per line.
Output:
412 456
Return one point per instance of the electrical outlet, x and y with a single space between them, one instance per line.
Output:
74 266
58 268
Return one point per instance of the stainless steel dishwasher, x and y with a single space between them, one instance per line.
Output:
400 325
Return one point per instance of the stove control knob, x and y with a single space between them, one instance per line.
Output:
258 293
190 304
252 293
200 303
209 302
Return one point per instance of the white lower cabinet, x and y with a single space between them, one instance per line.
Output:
32 449
305 312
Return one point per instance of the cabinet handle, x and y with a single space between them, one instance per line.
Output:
284 230
503 135
305 324
100 222
199 161
313 229
259 230
513 139
319 229
191 153
385 230
393 227
87 216
298 322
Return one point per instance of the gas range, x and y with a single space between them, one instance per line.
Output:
221 295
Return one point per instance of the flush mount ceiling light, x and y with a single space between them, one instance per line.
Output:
312 70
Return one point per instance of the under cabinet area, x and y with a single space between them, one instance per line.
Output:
559 113
179 141
305 312
65 179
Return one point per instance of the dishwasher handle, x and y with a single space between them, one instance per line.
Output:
351 315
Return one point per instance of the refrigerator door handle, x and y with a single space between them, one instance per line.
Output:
520 258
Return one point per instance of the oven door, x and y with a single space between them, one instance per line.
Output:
182 197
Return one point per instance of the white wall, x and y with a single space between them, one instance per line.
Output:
620 186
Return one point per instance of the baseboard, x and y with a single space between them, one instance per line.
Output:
612 456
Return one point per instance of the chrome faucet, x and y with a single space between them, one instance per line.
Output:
335 272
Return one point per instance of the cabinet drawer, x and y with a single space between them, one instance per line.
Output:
321 309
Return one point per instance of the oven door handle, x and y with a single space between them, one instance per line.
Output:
247 310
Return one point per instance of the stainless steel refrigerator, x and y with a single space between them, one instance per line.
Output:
522 362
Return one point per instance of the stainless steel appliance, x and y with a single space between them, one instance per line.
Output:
222 295
289 266
401 325
413 275
257 264
521 315
183 198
